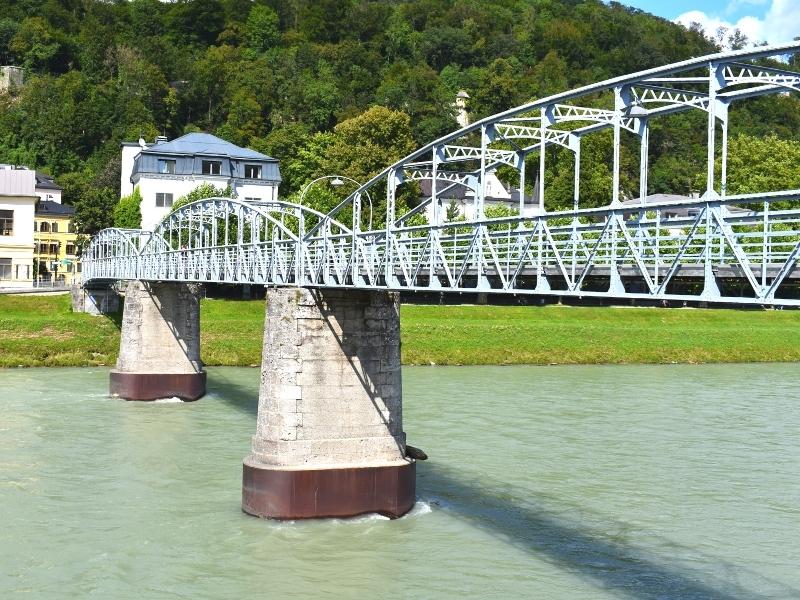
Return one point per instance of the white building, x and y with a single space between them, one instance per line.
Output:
46 188
11 78
463 198
17 206
164 171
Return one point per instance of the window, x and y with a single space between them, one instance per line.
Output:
5 266
44 227
212 167
70 227
166 166
163 199
35 226
53 248
7 222
70 248
23 271
54 228
252 171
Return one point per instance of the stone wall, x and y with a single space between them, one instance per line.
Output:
94 301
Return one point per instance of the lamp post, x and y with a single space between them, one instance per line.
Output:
337 181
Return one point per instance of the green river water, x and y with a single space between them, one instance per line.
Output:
641 482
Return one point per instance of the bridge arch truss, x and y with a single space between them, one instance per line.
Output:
718 248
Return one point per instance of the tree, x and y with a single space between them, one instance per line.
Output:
8 29
758 165
263 31
95 210
244 119
201 192
365 145
285 144
128 211
37 45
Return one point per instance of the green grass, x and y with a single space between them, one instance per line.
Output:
42 331
471 335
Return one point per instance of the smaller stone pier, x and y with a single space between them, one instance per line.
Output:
159 355
329 438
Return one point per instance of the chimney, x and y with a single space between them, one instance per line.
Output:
160 139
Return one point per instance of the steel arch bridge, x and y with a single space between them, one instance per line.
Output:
717 248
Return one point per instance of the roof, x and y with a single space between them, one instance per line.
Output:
48 207
657 199
462 192
204 144
45 182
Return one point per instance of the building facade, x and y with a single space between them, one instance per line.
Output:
11 78
166 170
17 205
37 237
55 243
462 199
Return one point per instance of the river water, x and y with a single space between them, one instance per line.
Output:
543 482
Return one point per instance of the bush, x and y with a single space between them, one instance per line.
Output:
128 211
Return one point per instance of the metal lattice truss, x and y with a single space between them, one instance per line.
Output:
738 249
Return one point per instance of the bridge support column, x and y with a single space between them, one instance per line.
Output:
329 439
159 354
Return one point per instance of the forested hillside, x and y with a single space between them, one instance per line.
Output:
279 76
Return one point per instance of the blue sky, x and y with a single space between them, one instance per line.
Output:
773 21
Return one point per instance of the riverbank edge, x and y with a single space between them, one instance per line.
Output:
41 331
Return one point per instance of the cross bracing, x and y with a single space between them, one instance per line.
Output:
718 248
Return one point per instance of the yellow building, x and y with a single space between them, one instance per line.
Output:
55 249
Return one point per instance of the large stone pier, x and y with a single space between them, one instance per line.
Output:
329 439
159 355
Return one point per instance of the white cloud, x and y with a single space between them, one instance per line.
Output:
780 24
735 5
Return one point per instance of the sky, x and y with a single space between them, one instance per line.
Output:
773 21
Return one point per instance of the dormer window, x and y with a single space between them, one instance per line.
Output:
212 167
166 166
252 171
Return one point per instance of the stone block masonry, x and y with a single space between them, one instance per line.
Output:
159 355
95 301
329 436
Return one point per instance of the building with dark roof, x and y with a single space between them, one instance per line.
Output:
47 189
166 170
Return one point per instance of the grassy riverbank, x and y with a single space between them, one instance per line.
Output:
42 331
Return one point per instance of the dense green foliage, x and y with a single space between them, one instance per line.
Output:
288 78
128 212
41 331
201 192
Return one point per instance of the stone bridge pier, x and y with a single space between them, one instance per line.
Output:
329 438
159 354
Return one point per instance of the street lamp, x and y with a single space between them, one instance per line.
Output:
337 181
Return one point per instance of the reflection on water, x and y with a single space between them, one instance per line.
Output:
548 482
